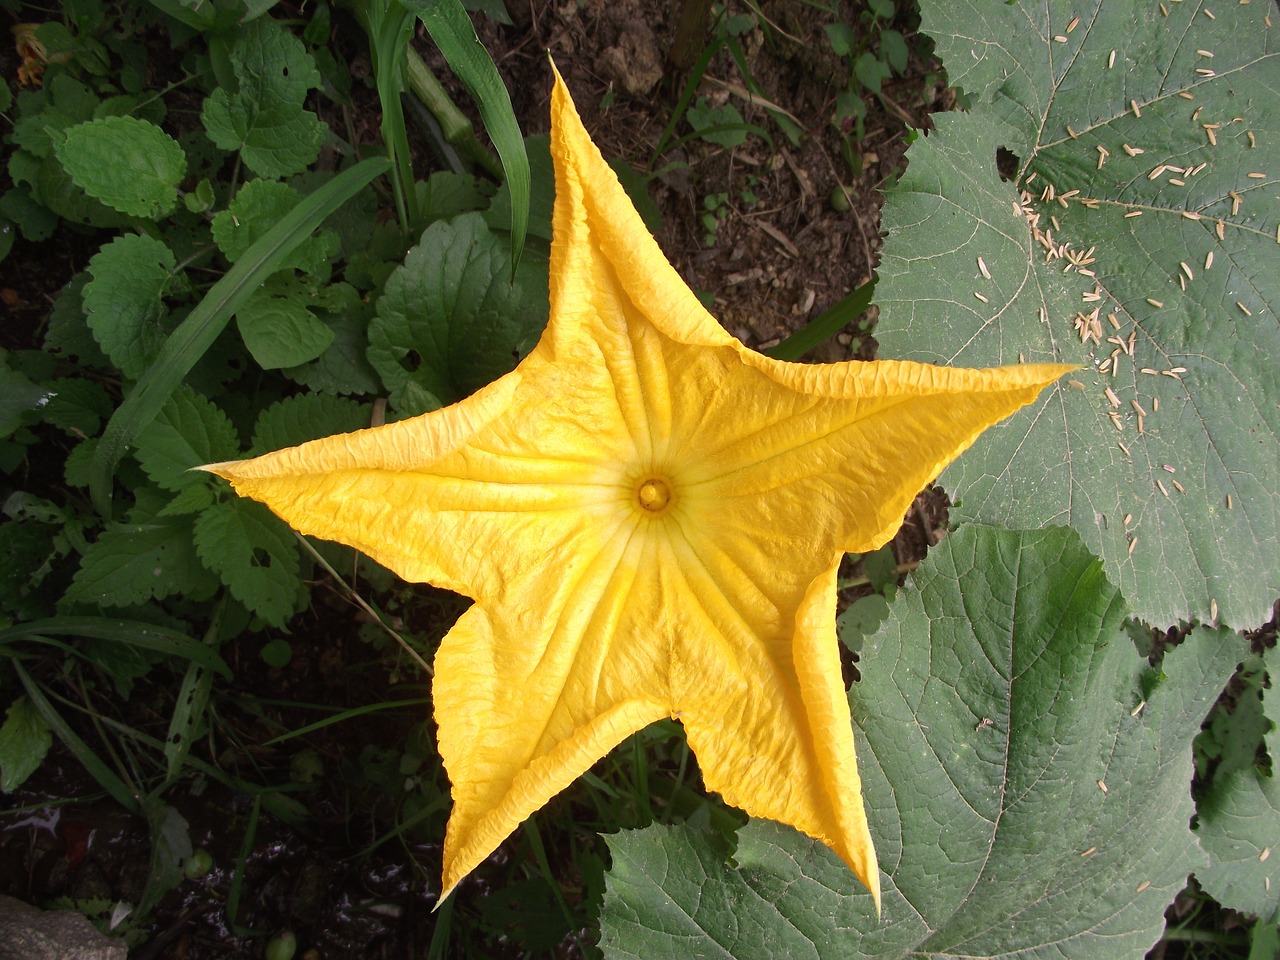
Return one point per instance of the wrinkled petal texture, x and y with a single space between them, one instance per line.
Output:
599 611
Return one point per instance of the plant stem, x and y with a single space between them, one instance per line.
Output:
455 126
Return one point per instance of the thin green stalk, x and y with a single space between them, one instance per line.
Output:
344 715
237 878
440 935
640 774
682 104
680 774
364 605
457 130
389 27
1198 935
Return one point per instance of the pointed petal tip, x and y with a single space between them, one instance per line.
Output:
225 469
860 857
445 893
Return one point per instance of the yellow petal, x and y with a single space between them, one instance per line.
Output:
649 517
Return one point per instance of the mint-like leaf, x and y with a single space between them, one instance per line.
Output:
192 499
279 329
254 553
1119 244
445 194
296 420
265 120
1012 744
19 396
135 562
36 221
189 431
343 368
450 320
123 300
25 739
259 206
131 165
77 406
68 334
44 114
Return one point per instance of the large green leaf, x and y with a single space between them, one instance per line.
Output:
124 302
1146 127
131 563
1013 746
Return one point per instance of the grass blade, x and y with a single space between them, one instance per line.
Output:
824 325
193 337
106 777
135 633
346 715
451 29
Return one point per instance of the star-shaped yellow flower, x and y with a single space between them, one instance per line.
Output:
649 517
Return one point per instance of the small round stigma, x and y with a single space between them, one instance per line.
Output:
654 495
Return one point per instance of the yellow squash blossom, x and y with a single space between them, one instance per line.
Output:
649 517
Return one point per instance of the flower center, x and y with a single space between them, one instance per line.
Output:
654 495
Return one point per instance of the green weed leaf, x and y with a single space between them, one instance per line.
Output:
279 329
1143 251
722 125
254 553
170 846
1012 744
258 207
450 320
189 431
24 740
343 368
446 194
36 222
123 302
64 103
132 563
19 396
68 335
1239 826
841 37
265 119
77 406
306 417
131 165
198 332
